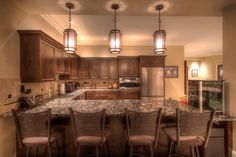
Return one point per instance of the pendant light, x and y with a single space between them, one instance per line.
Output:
159 36
115 34
69 35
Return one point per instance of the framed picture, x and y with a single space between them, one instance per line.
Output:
171 72
194 73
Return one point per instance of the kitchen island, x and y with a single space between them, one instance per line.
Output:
115 120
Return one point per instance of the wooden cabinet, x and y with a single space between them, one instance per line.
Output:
47 61
41 57
103 68
112 95
66 59
83 68
108 68
129 94
73 67
94 68
152 61
113 68
59 63
128 66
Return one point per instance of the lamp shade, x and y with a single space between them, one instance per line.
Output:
70 40
115 39
159 42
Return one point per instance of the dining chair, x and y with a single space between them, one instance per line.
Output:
192 129
143 129
89 130
33 130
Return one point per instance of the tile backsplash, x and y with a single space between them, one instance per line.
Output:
12 89
10 92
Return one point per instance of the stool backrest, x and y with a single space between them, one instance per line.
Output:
87 124
32 124
143 123
194 123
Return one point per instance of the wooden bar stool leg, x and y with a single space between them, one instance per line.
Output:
131 150
28 151
151 151
197 151
192 151
36 151
49 150
78 150
97 151
170 148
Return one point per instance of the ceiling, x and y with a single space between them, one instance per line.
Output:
133 7
196 24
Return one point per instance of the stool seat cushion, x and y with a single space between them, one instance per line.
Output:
93 140
190 140
37 140
142 139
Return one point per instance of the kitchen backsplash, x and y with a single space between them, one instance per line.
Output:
12 89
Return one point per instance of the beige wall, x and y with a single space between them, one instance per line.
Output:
229 56
12 19
175 57
207 67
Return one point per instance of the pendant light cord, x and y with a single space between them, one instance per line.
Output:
115 19
70 19
159 19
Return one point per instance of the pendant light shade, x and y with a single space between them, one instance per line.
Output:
70 35
115 35
159 42
115 41
70 40
159 36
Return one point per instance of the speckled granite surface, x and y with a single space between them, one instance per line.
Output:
60 105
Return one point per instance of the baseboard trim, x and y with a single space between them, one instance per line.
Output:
234 153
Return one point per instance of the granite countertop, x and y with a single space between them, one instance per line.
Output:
59 106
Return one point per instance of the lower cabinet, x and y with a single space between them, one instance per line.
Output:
113 95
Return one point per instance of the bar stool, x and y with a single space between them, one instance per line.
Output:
143 129
192 129
89 130
33 130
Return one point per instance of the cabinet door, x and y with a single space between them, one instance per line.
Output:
83 68
73 71
113 68
104 65
66 59
47 61
130 94
124 64
94 68
59 63
129 67
134 67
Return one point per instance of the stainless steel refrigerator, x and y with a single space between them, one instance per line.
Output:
153 82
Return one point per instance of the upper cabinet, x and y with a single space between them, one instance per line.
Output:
47 70
83 68
128 66
103 68
41 57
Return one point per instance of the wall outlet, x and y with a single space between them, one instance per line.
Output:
9 96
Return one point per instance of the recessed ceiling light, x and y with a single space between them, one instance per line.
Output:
104 38
78 32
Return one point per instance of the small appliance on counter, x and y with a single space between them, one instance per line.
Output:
129 82
26 103
62 88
